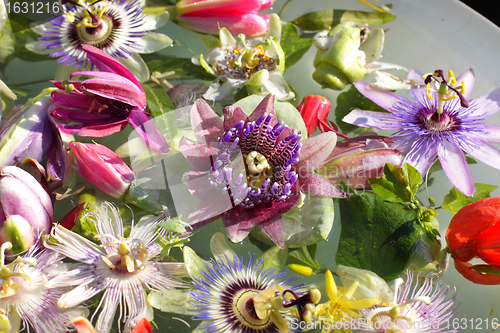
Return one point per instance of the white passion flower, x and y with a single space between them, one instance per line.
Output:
25 294
122 267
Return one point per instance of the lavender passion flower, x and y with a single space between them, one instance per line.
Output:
436 123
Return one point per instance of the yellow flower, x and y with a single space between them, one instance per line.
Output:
340 305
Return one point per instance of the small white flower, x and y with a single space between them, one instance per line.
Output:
121 267
25 295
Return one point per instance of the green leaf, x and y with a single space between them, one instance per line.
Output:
348 101
274 258
177 301
174 225
357 16
314 21
183 67
293 46
195 265
219 247
157 98
455 200
305 256
397 183
328 18
305 224
376 235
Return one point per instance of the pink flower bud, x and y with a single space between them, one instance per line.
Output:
101 167
314 109
239 17
356 160
21 194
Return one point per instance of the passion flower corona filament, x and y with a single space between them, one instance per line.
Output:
268 162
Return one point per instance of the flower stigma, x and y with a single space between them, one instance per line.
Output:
10 287
125 258
268 162
446 89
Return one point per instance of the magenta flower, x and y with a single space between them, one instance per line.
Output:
105 104
255 173
433 124
101 167
239 17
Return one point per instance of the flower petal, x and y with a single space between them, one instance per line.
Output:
207 125
372 119
153 42
420 156
488 104
491 133
232 115
416 75
467 272
107 63
251 25
198 155
147 131
469 79
484 152
315 184
313 152
455 167
137 67
383 98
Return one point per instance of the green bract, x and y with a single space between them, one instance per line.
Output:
344 52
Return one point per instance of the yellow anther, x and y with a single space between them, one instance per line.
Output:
451 78
259 50
70 17
102 11
108 262
427 90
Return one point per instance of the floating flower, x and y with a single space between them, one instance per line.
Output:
121 267
230 297
341 307
24 294
105 104
314 109
415 308
119 28
240 63
436 123
239 17
255 173
356 160
101 167
474 232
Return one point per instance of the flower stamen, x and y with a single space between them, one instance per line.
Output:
129 258
9 287
446 90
